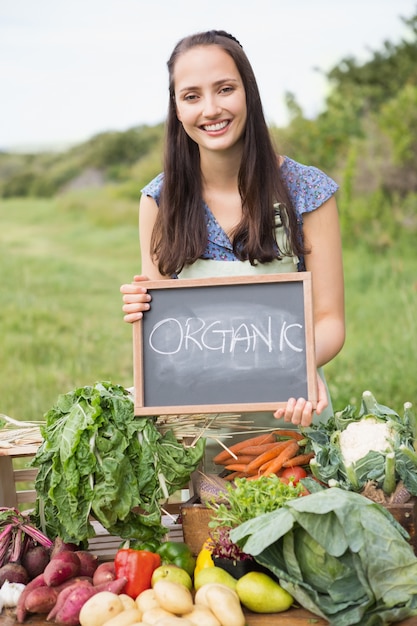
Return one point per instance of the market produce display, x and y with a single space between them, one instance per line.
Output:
99 461
289 521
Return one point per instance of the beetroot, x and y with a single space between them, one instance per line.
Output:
35 560
13 573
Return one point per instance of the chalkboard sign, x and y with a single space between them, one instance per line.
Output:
234 344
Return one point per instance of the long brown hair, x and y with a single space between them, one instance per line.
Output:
180 233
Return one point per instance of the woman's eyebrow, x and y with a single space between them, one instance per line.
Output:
217 83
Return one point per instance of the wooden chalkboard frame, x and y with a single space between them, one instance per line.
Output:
185 288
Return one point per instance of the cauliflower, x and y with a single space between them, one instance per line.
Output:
359 438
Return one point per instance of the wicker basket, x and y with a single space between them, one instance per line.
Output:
195 518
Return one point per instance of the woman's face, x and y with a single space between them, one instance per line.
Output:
210 97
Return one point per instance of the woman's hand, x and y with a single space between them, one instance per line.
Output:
135 299
300 412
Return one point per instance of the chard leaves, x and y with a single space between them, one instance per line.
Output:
99 461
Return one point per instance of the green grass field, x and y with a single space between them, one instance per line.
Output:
63 260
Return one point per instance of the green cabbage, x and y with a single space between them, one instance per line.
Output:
341 556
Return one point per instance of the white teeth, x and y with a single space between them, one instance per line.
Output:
214 127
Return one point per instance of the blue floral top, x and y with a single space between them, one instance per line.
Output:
308 186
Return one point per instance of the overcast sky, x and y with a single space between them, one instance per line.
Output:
72 68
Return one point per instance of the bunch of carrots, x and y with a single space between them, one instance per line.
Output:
269 453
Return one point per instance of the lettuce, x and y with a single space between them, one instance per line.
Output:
99 461
339 555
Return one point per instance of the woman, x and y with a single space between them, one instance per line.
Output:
227 204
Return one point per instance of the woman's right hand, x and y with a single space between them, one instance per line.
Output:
135 299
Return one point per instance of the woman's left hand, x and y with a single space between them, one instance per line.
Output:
300 412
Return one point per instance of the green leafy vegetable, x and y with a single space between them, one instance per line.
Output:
247 499
375 444
339 555
98 460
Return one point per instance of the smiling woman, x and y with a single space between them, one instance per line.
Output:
228 204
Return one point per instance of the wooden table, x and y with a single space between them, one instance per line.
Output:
293 617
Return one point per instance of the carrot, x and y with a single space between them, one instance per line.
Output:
300 459
266 456
234 475
257 450
287 453
253 441
237 467
245 459
295 434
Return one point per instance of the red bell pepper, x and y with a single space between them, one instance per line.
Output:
137 566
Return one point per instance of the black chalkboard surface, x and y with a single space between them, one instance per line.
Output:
225 344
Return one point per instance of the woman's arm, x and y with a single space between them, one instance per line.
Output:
324 261
135 297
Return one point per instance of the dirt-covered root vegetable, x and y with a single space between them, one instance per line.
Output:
173 597
100 608
14 573
104 573
69 613
41 599
35 560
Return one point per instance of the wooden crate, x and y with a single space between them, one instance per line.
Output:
14 481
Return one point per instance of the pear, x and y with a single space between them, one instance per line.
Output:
214 575
260 593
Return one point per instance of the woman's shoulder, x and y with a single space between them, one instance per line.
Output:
309 187
153 188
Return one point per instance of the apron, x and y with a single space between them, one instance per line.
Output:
210 268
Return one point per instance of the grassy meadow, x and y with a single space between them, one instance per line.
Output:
63 260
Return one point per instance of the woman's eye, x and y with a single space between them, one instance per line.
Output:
190 97
226 89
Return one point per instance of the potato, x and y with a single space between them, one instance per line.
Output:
174 620
125 618
88 562
146 600
173 597
100 608
70 612
225 604
202 616
152 616
59 569
105 572
41 599
127 601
